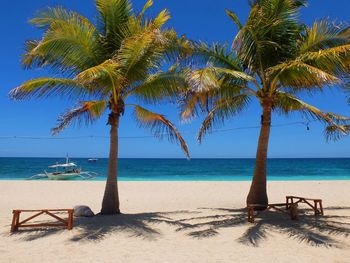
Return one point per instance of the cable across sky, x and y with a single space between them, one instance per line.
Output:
29 137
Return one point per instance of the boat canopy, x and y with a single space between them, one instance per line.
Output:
63 165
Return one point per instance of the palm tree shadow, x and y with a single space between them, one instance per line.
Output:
37 233
314 231
212 223
135 225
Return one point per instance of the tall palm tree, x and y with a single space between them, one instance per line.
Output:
105 65
274 59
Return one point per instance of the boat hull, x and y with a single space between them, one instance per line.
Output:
63 176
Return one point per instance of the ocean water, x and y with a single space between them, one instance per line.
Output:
184 170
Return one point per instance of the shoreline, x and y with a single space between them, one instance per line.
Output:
151 180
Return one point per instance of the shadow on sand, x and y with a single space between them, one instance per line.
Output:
314 231
143 225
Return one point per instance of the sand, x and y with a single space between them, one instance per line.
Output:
177 222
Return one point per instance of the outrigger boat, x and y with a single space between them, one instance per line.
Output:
65 171
69 171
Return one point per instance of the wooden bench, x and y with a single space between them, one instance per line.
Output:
317 206
255 207
67 223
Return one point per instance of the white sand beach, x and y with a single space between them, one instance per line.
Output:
177 222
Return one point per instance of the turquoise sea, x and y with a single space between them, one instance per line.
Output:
184 170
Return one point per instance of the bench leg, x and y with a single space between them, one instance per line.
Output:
321 208
13 225
15 221
315 208
318 208
70 220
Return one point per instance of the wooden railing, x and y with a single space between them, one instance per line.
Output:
62 222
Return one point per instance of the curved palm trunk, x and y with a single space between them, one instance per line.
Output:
110 203
257 193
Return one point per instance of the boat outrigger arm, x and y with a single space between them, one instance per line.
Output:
90 175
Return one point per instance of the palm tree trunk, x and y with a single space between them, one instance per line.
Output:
110 203
257 193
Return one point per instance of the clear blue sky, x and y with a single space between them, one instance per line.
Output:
198 19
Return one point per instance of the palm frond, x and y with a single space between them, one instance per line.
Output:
70 41
140 23
159 86
234 18
269 35
160 19
215 54
297 76
333 132
326 46
223 109
146 6
195 102
234 74
45 87
339 129
203 79
213 78
289 103
45 18
160 126
114 18
86 111
104 73
141 54
334 60
324 35
176 49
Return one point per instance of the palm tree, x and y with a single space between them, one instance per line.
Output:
274 58
105 65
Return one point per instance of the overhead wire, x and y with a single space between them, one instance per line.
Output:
144 136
